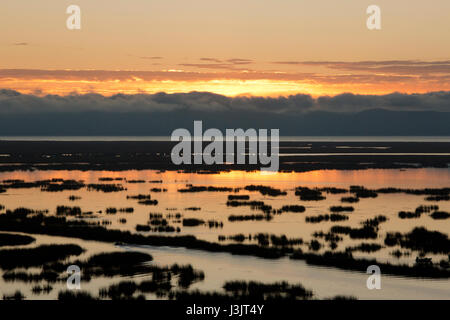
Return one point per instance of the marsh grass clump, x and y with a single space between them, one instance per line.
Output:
15 296
71 185
49 276
342 209
333 190
251 217
192 222
418 212
30 257
160 283
109 264
327 217
365 247
343 298
106 188
398 254
365 232
438 198
445 264
160 224
307 194
155 215
46 289
193 209
140 197
160 287
111 210
214 224
362 192
158 190
440 215
254 205
261 291
438 192
420 239
333 245
345 260
266 190
165 229
350 199
158 221
136 181
105 179
148 202
409 215
329 236
22 213
7 239
265 239
427 209
143 227
122 290
74 198
238 197
191 188
68 211
237 237
121 210
317 219
113 258
187 275
374 222
293 208
314 245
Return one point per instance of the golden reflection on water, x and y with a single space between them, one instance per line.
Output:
409 178
213 204
213 207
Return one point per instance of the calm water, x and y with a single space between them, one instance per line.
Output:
222 267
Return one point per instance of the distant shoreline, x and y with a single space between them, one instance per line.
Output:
294 156
88 138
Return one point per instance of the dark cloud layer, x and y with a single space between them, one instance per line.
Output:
13 102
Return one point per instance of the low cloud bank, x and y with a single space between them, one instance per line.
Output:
13 102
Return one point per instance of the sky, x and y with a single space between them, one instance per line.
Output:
266 48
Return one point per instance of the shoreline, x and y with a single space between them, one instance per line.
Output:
155 155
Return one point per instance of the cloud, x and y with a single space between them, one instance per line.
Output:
151 58
211 60
406 67
13 102
240 61
213 63
21 43
224 66
124 75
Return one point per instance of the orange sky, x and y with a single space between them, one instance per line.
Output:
234 47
